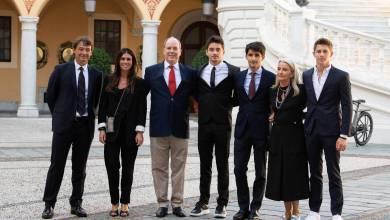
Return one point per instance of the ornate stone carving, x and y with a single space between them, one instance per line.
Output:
151 5
28 4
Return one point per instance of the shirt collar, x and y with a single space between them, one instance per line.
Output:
217 67
258 71
175 66
326 71
78 66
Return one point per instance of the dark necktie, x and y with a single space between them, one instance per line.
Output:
81 93
172 81
212 78
252 86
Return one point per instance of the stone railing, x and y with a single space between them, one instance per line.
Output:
296 30
356 51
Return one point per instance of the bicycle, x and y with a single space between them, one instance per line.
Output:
362 124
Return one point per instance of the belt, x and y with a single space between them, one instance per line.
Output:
287 123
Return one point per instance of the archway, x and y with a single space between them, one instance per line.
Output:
194 38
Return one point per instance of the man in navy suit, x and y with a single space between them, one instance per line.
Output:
326 126
171 84
72 95
252 91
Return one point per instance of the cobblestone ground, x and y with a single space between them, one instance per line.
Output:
25 154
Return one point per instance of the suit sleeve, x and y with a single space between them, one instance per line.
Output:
53 88
196 86
234 97
346 104
147 78
141 114
98 90
103 105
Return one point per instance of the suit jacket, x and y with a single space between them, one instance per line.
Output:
324 116
62 96
216 104
253 114
169 115
131 111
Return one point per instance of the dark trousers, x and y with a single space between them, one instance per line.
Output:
128 153
210 135
80 138
242 152
316 144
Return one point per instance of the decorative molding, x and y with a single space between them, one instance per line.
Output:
28 4
151 6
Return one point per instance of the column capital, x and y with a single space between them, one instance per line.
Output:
150 26
29 22
150 23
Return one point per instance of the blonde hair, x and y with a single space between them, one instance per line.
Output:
295 79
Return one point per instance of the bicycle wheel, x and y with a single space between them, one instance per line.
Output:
364 128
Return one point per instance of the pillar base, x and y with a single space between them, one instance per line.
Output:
30 111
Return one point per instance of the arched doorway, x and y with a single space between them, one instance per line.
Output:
194 38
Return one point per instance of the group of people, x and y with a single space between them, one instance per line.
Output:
270 118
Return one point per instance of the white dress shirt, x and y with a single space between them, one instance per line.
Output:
248 78
177 73
319 81
85 73
221 72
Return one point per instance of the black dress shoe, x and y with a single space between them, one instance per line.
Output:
48 212
162 212
179 212
78 210
254 215
241 215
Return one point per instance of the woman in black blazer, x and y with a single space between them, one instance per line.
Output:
287 178
124 98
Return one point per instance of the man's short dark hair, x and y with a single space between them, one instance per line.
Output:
85 40
256 46
215 39
323 41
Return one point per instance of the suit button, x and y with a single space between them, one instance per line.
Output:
172 99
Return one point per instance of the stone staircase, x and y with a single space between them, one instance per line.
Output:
371 17
361 38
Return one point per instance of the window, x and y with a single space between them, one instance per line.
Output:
5 38
107 36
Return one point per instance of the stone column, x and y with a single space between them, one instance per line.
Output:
28 68
149 48
238 23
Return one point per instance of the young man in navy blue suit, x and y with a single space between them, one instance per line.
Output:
252 95
171 84
72 95
327 126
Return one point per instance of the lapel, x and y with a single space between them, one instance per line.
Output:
200 74
261 86
330 78
160 77
242 83
72 71
183 77
91 79
311 86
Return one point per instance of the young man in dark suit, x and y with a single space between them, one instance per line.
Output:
171 84
215 95
326 126
72 96
252 93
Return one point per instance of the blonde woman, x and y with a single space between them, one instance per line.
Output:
287 178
